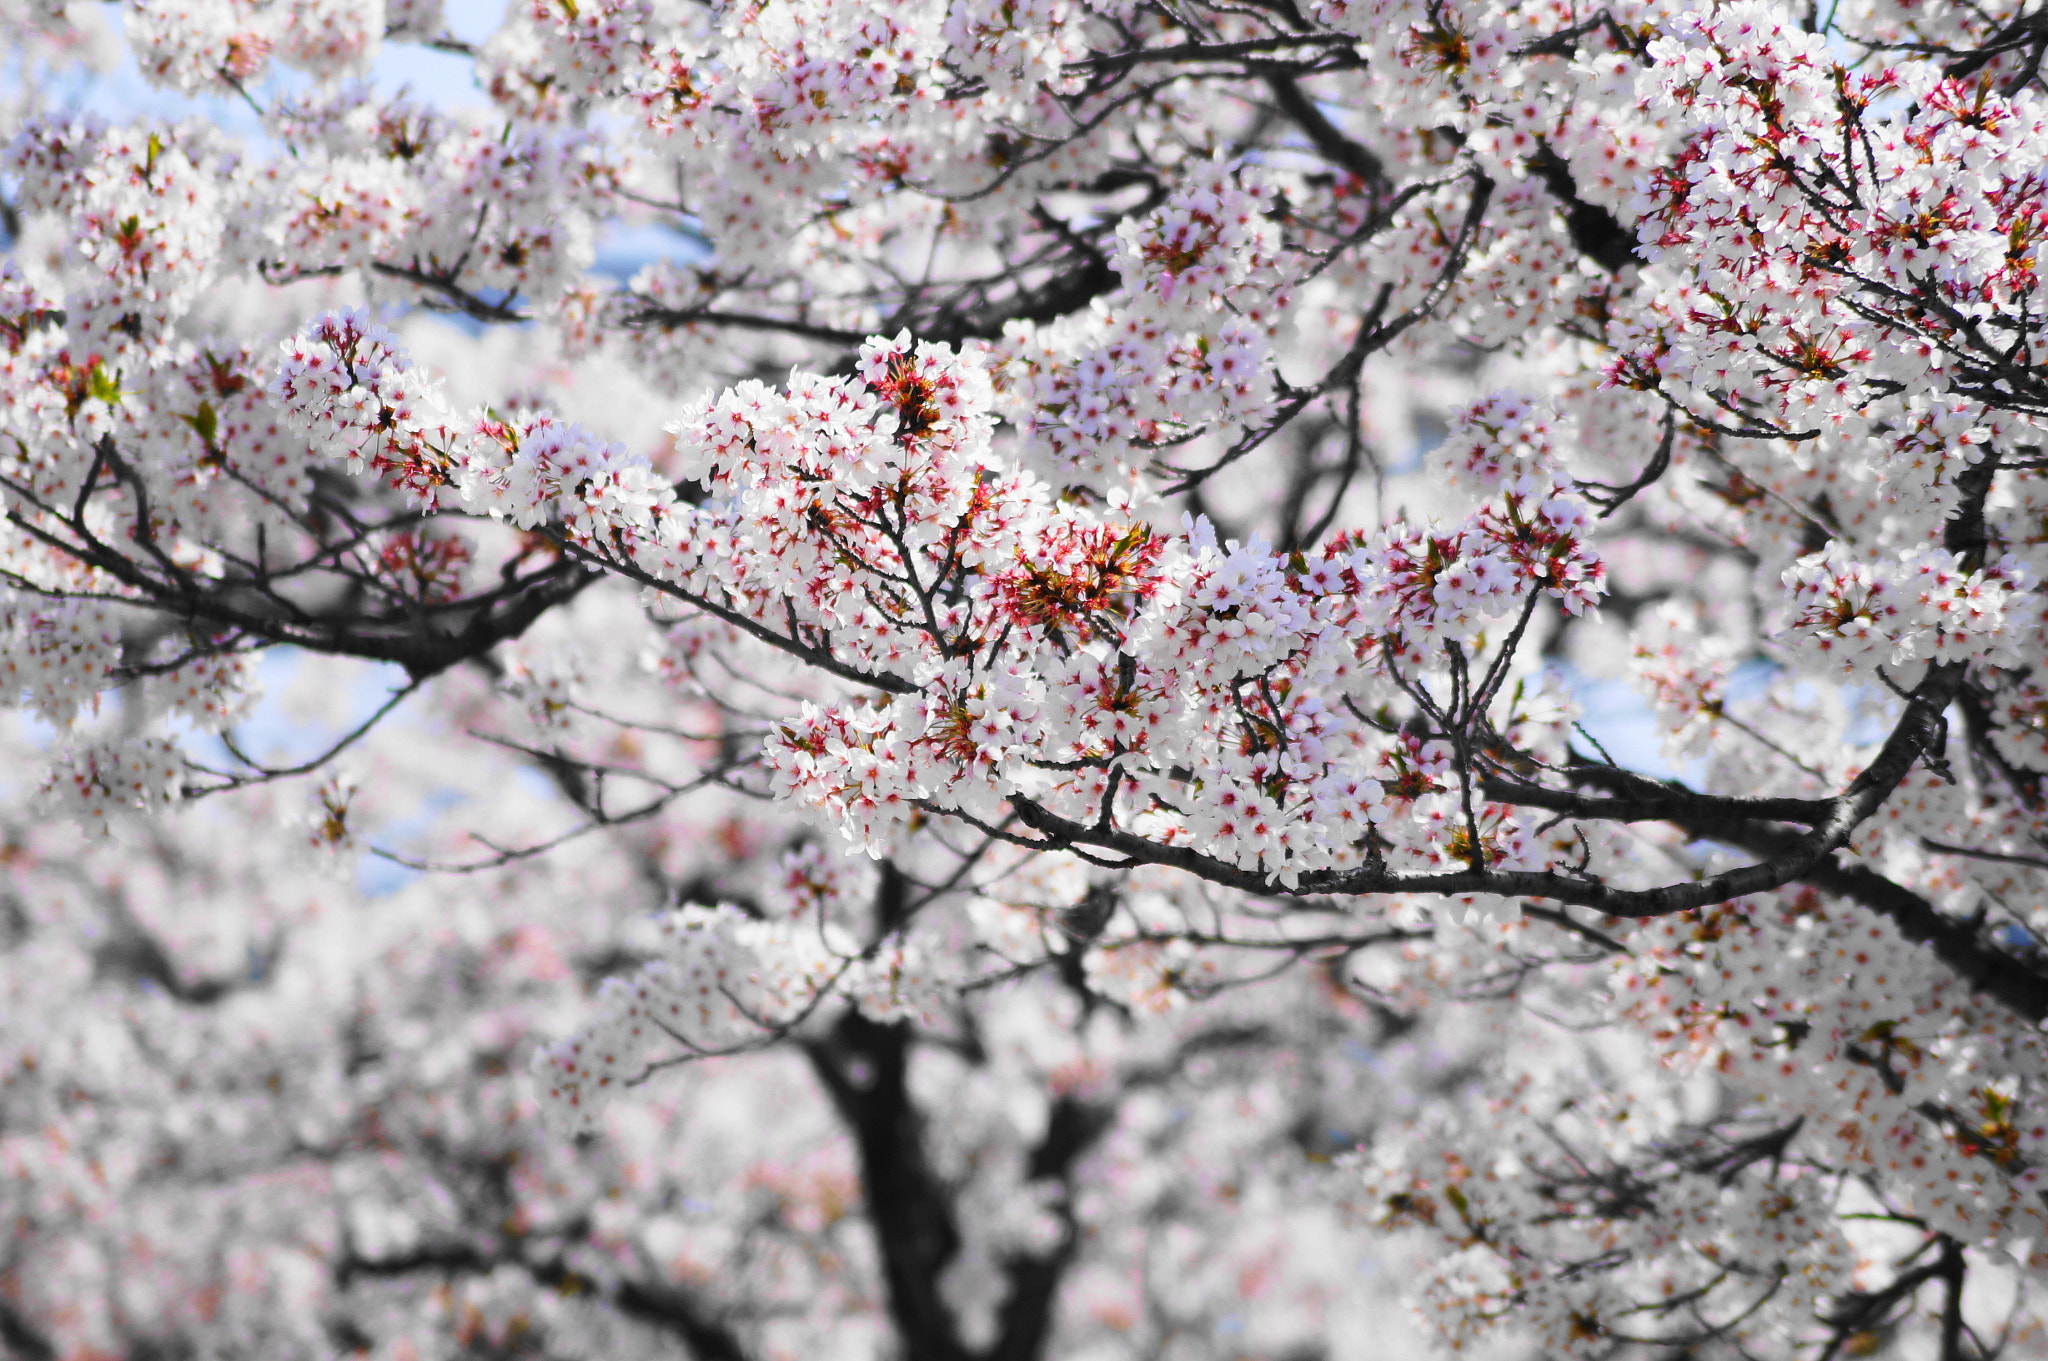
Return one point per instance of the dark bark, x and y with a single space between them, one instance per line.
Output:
1758 827
653 1303
1345 152
1089 277
1598 233
1025 1323
864 1066
18 1338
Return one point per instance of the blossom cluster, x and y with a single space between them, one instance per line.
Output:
1201 692
1185 346
1924 607
720 982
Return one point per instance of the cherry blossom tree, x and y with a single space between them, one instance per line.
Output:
988 757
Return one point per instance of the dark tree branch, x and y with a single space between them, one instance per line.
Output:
1598 233
19 1338
1025 1324
864 1067
658 1305
1328 140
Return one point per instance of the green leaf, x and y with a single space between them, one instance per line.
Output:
205 423
103 386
